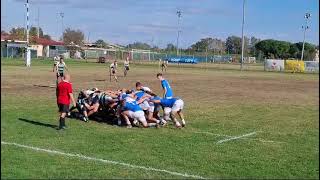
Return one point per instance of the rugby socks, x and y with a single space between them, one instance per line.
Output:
183 122
62 122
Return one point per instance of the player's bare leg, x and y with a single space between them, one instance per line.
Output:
115 78
173 115
125 72
124 115
182 118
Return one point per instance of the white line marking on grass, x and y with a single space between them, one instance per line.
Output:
266 141
248 138
236 137
103 160
203 132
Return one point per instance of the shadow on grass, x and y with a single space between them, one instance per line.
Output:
97 117
38 123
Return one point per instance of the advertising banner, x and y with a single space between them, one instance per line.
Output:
183 60
274 65
311 66
294 66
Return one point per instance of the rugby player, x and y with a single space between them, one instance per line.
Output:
126 66
60 69
164 65
83 101
167 91
56 60
172 108
101 100
131 108
147 106
113 70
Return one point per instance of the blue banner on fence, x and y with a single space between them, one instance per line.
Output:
190 60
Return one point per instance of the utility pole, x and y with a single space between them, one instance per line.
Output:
88 37
305 27
61 14
179 13
242 48
38 22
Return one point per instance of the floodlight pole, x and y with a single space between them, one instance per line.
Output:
62 25
307 16
179 16
242 48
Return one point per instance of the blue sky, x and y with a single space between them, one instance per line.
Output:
155 21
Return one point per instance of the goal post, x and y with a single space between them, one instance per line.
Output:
138 54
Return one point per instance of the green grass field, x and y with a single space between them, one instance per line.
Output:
279 111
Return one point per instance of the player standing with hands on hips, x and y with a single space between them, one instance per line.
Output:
64 94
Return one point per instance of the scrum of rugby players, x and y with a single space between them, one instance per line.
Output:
139 107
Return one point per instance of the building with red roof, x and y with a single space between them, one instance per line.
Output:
40 47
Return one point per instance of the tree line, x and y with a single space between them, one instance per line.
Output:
253 46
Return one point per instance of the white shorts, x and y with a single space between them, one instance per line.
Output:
151 107
138 115
167 110
178 105
144 105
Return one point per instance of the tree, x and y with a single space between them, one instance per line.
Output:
252 48
46 36
233 45
294 51
139 45
274 49
100 43
209 44
170 47
18 33
34 32
73 36
309 50
202 45
216 45
4 33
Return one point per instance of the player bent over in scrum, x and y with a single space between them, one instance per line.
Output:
132 110
172 108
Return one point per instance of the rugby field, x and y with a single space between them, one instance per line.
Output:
249 124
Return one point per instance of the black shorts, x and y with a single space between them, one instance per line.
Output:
95 99
81 108
127 68
61 75
63 108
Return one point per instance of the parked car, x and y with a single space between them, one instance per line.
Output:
101 60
